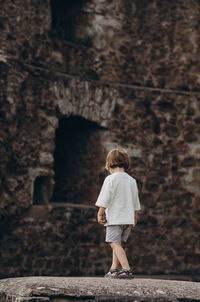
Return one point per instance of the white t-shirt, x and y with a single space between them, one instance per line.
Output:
119 195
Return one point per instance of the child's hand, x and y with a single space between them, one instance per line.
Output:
101 216
101 219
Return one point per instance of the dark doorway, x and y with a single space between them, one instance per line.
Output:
79 161
66 15
42 190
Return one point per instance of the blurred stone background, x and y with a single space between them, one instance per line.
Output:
77 78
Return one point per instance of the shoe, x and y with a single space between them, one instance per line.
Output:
112 273
125 274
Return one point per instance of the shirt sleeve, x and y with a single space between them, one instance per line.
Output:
105 194
137 201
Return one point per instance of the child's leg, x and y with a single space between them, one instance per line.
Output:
115 261
119 253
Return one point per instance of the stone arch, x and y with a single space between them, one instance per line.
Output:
79 160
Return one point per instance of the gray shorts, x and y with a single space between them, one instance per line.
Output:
118 233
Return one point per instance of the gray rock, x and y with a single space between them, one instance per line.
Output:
96 289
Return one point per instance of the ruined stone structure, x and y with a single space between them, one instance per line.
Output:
78 78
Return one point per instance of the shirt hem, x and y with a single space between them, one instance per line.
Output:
119 223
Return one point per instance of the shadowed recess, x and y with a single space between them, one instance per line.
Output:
79 160
65 17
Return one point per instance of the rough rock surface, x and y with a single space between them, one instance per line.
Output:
96 289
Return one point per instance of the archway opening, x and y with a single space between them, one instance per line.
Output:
79 161
42 190
66 16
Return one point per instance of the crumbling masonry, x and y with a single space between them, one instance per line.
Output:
76 79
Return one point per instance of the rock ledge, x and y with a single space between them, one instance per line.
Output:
62 289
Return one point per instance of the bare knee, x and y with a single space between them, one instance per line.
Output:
115 244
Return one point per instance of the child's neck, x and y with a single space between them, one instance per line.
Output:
117 169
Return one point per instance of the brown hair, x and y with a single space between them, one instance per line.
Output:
117 158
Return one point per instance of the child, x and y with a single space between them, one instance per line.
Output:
118 204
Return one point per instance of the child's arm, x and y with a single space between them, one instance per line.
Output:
136 217
100 216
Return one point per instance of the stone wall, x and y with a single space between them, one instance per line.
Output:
129 76
55 240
